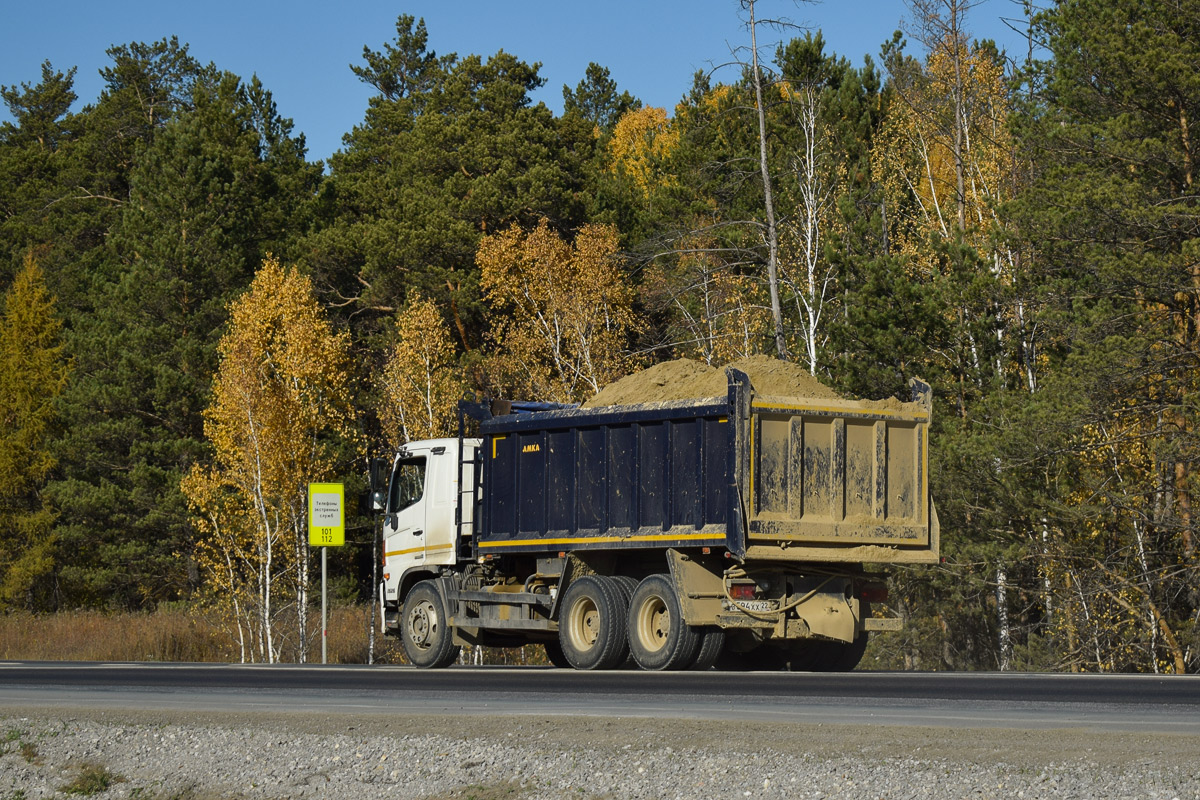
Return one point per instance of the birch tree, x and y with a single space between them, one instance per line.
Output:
421 380
565 311
281 397
641 139
712 312
807 276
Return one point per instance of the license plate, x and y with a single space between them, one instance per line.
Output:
755 605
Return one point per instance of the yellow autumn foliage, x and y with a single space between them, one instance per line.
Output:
564 311
33 373
421 381
914 154
282 393
641 140
1105 599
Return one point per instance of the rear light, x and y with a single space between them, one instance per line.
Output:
742 591
873 593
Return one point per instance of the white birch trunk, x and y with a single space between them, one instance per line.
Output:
1002 618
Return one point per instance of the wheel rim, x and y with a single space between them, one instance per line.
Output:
423 624
583 624
653 624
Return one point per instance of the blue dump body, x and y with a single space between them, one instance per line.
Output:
753 475
616 478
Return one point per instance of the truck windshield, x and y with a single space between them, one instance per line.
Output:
408 484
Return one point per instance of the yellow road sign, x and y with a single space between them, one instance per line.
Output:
326 515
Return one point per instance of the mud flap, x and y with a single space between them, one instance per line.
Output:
698 585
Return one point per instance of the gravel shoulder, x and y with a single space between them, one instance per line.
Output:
301 755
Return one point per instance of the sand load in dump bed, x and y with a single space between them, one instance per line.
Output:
685 379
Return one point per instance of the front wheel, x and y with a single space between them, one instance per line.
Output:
424 630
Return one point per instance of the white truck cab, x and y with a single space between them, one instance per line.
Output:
420 529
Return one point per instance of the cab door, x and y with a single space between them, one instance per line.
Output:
404 524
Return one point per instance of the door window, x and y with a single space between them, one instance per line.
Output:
408 484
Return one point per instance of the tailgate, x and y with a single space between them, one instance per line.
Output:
837 473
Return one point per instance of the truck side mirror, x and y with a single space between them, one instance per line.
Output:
379 469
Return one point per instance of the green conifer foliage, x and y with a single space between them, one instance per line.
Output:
220 184
33 158
1112 218
596 99
450 150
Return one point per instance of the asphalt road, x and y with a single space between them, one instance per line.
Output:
1164 704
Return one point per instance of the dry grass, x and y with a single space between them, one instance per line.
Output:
173 635
348 642
169 635
187 635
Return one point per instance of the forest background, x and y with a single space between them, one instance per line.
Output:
197 320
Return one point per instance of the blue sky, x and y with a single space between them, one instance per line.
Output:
302 50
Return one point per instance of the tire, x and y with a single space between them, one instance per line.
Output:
554 654
763 658
843 656
807 655
627 585
658 637
591 623
712 643
424 630
823 655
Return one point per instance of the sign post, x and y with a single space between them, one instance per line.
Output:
326 528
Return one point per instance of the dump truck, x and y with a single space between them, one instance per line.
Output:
737 531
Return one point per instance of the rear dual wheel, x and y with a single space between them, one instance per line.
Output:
659 639
608 622
813 655
591 623
712 644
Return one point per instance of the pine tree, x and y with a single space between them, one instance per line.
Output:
595 99
34 154
1111 215
221 183
437 164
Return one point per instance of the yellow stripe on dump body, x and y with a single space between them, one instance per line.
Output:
870 413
